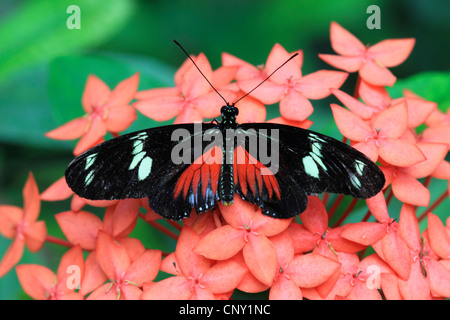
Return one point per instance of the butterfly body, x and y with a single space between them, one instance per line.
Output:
195 166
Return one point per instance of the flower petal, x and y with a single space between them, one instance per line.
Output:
145 268
277 56
399 153
284 289
120 118
392 52
93 276
378 207
95 93
36 280
315 217
439 278
124 92
80 228
317 85
69 131
392 122
376 74
350 125
93 136
310 270
365 233
343 42
407 189
417 287
435 153
228 239
397 254
357 107
294 106
111 256
409 227
10 217
12 255
223 276
35 234
32 202
160 108
439 237
59 190
172 288
72 258
261 258
271 94
190 263
349 64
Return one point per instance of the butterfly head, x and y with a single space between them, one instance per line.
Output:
229 113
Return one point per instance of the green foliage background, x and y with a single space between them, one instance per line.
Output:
44 66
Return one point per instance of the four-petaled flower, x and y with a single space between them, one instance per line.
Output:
21 225
371 62
288 86
106 111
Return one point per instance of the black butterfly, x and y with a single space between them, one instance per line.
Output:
186 166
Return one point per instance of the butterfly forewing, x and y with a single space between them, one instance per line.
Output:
319 163
140 165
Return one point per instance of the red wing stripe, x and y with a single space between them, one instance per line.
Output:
205 169
254 172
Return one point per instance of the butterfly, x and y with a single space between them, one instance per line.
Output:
184 167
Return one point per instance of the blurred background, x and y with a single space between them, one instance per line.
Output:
44 66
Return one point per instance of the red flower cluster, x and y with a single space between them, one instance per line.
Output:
237 247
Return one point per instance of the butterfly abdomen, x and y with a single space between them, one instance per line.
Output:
227 187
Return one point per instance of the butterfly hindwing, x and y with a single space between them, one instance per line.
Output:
259 180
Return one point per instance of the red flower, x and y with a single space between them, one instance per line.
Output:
192 98
248 230
61 191
428 276
41 283
126 276
196 277
315 234
405 185
106 110
288 85
82 227
377 99
299 271
371 62
381 136
21 225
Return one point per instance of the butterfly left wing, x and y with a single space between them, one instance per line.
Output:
140 165
308 163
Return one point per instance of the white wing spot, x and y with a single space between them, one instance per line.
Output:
89 177
359 166
90 160
311 167
355 181
145 168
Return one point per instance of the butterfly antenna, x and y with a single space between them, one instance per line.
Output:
178 44
293 56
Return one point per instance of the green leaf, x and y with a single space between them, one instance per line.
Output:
432 86
25 113
38 31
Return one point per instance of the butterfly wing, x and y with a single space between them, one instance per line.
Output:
141 164
309 163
